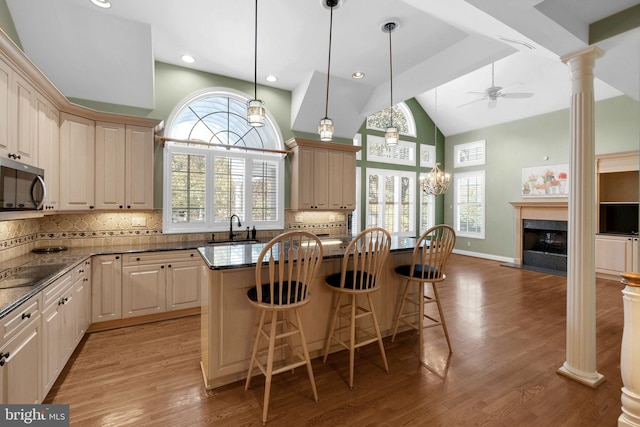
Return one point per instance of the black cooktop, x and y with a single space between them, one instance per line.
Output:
49 250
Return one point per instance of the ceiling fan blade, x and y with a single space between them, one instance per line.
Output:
471 102
517 95
477 93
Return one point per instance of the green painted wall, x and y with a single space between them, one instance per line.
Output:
7 25
523 143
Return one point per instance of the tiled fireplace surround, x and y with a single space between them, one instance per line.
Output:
98 229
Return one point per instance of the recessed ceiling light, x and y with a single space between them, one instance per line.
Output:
188 59
271 78
358 75
105 4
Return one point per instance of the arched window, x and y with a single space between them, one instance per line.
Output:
210 176
402 119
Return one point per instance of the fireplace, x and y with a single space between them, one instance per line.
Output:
541 235
544 244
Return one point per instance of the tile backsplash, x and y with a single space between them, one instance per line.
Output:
97 229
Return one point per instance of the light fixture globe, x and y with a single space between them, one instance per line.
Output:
325 129
437 181
255 113
391 136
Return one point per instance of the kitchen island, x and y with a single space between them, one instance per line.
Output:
229 322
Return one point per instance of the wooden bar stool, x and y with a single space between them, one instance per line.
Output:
429 258
361 267
292 259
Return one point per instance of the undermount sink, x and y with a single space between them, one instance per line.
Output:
232 242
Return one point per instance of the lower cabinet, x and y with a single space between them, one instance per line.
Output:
20 354
131 285
616 254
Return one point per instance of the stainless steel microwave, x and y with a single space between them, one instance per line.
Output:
22 187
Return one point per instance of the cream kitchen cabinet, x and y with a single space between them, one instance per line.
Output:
106 288
17 117
77 151
322 175
155 282
82 293
20 353
616 254
342 180
48 139
124 166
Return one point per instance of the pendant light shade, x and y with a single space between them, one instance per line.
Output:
325 128
391 135
255 107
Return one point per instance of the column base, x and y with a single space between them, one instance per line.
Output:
592 380
630 416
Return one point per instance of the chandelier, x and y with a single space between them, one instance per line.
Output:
437 181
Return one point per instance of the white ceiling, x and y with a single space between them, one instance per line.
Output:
107 54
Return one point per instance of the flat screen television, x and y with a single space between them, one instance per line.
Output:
619 218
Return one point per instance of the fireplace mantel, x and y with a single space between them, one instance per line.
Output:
544 210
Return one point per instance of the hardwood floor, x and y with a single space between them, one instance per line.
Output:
507 328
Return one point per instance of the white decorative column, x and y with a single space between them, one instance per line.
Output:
630 352
581 276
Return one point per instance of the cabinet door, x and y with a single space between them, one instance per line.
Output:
183 285
19 375
635 255
110 165
48 141
320 178
25 121
143 290
342 179
77 149
139 168
304 179
613 254
5 107
52 327
82 292
106 288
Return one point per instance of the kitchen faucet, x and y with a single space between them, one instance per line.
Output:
231 234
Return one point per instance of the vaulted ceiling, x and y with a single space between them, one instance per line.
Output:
442 50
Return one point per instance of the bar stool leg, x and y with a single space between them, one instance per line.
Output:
305 350
352 340
404 298
269 374
444 324
255 349
333 328
379 335
421 321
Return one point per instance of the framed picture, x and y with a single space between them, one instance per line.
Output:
545 181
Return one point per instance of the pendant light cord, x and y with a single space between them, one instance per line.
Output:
326 104
435 126
390 27
255 53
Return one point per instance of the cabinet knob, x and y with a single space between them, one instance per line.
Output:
128 206
26 316
162 266
191 254
91 207
117 257
169 265
121 206
2 357
137 259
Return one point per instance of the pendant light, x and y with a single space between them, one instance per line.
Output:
437 181
391 134
325 128
255 107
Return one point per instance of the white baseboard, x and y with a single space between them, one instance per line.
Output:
484 256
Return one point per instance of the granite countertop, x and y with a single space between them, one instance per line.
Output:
219 257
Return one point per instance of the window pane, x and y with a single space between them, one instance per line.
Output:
470 204
264 182
228 188
188 178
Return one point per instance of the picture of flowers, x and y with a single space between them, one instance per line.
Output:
545 181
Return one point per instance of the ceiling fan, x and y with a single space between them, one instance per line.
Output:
494 92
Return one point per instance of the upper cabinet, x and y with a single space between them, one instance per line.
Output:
124 166
618 192
323 175
77 151
48 141
17 117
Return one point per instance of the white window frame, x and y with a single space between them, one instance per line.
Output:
397 194
411 122
210 224
393 152
430 205
458 204
431 149
459 162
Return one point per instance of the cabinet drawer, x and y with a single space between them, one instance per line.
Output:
82 269
21 317
158 257
56 289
